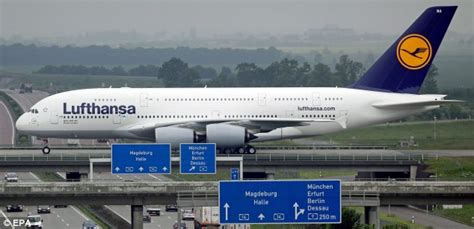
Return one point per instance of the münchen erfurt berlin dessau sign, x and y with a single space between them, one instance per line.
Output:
197 158
280 201
141 158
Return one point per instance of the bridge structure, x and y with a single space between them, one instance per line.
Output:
369 194
79 160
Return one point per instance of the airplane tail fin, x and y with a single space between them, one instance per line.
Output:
403 67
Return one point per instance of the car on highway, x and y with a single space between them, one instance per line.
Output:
89 224
146 218
153 211
183 226
171 208
35 221
60 206
11 177
43 209
188 215
14 208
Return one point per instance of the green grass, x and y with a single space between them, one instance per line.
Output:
386 219
449 135
452 167
463 215
15 111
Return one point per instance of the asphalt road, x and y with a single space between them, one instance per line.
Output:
422 218
165 220
7 127
69 217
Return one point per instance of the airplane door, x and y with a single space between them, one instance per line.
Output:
117 119
144 100
216 114
54 118
316 99
290 114
343 113
262 99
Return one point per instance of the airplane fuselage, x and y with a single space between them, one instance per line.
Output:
112 112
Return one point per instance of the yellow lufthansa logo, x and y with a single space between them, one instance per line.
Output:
414 51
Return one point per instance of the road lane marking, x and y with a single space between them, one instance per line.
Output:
116 213
154 176
80 213
34 176
11 122
61 175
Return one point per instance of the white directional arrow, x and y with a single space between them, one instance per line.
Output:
297 213
192 168
261 216
165 169
117 169
140 169
226 207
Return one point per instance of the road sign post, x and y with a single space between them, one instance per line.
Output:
197 158
280 202
141 158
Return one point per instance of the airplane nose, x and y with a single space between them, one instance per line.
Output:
22 123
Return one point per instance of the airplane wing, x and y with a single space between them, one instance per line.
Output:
411 104
253 125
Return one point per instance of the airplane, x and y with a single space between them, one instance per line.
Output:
234 118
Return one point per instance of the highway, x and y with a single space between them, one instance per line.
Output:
7 127
69 217
165 220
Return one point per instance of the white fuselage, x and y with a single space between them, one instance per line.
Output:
96 113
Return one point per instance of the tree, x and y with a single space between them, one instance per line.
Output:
321 76
176 73
248 74
347 70
430 85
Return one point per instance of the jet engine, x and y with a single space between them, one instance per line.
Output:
175 136
226 135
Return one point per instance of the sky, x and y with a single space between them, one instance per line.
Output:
55 18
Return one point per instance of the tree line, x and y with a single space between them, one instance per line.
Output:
20 54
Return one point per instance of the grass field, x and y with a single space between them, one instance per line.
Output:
449 135
454 168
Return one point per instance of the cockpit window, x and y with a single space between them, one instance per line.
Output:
34 111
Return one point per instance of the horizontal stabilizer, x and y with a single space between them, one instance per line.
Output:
410 104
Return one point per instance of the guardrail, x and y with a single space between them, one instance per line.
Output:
259 147
269 157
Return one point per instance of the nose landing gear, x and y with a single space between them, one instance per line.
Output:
45 149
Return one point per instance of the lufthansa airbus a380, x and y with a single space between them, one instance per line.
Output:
233 118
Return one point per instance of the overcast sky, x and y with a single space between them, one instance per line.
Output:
50 18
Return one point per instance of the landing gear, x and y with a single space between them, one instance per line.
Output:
239 150
250 150
46 150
